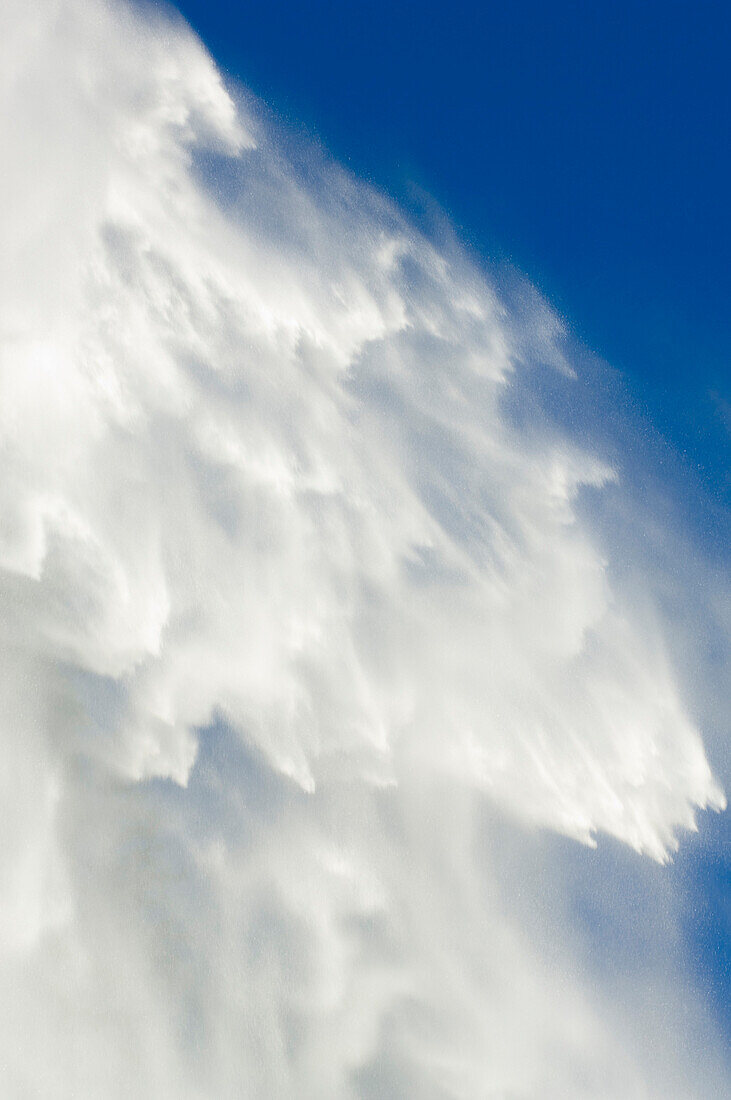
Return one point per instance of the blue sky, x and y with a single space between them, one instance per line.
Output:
585 143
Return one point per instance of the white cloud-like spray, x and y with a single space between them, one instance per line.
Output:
289 596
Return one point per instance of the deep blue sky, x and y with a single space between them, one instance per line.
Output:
586 142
